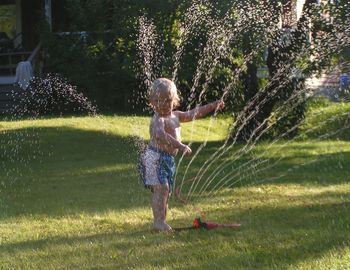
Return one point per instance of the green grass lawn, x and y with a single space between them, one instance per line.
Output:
71 198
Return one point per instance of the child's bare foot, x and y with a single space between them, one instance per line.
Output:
162 227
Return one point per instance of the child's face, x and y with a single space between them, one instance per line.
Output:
163 103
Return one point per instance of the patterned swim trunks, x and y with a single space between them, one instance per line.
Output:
157 167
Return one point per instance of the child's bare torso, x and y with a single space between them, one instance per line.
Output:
171 125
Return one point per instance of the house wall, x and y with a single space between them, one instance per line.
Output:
32 14
60 16
18 41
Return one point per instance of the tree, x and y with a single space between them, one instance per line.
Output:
283 53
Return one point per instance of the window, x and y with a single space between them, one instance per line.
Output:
8 20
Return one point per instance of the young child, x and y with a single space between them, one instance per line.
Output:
157 162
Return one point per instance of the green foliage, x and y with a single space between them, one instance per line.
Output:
101 61
318 102
104 60
108 54
100 64
325 118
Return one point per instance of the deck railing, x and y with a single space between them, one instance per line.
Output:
34 59
9 60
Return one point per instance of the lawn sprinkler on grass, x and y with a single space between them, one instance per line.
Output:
199 224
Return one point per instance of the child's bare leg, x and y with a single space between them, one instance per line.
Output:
167 204
159 207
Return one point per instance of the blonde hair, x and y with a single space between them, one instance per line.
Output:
165 85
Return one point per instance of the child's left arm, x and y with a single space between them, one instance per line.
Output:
200 111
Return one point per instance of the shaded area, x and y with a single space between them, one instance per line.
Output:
57 171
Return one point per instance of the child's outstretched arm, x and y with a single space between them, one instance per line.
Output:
200 111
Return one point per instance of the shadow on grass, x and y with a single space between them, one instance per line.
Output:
55 171
75 240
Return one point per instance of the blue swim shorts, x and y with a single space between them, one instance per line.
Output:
157 167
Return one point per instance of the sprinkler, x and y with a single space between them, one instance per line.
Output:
199 224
